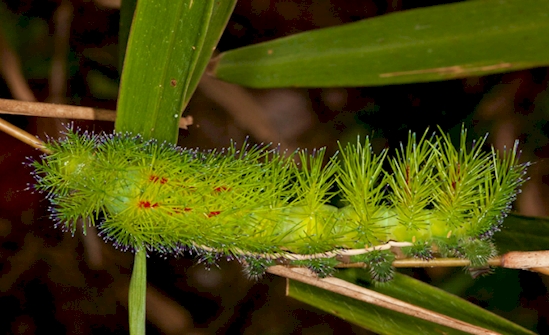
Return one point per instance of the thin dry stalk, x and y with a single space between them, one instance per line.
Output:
362 294
22 135
434 263
537 261
42 109
525 260
55 111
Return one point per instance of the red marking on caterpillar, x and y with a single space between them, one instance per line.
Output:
147 204
221 189
155 179
214 213
458 177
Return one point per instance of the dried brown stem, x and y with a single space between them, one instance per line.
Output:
525 260
418 263
360 293
537 261
22 135
56 111
42 109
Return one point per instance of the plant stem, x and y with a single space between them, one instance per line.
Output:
22 135
42 109
137 294
351 290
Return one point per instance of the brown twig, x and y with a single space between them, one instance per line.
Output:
525 260
22 135
419 263
537 261
54 110
360 293
42 109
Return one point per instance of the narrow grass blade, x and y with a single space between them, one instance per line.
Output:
470 38
164 47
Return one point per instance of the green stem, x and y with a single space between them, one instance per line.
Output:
137 294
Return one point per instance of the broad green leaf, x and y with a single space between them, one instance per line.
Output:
164 47
221 13
384 321
523 233
470 38
166 42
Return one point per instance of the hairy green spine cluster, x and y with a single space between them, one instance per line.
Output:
259 205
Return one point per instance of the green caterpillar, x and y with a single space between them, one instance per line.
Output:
259 206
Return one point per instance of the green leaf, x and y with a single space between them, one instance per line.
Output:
384 321
164 46
470 38
138 293
167 50
523 233
221 13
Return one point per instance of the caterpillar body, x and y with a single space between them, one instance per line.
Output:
258 205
